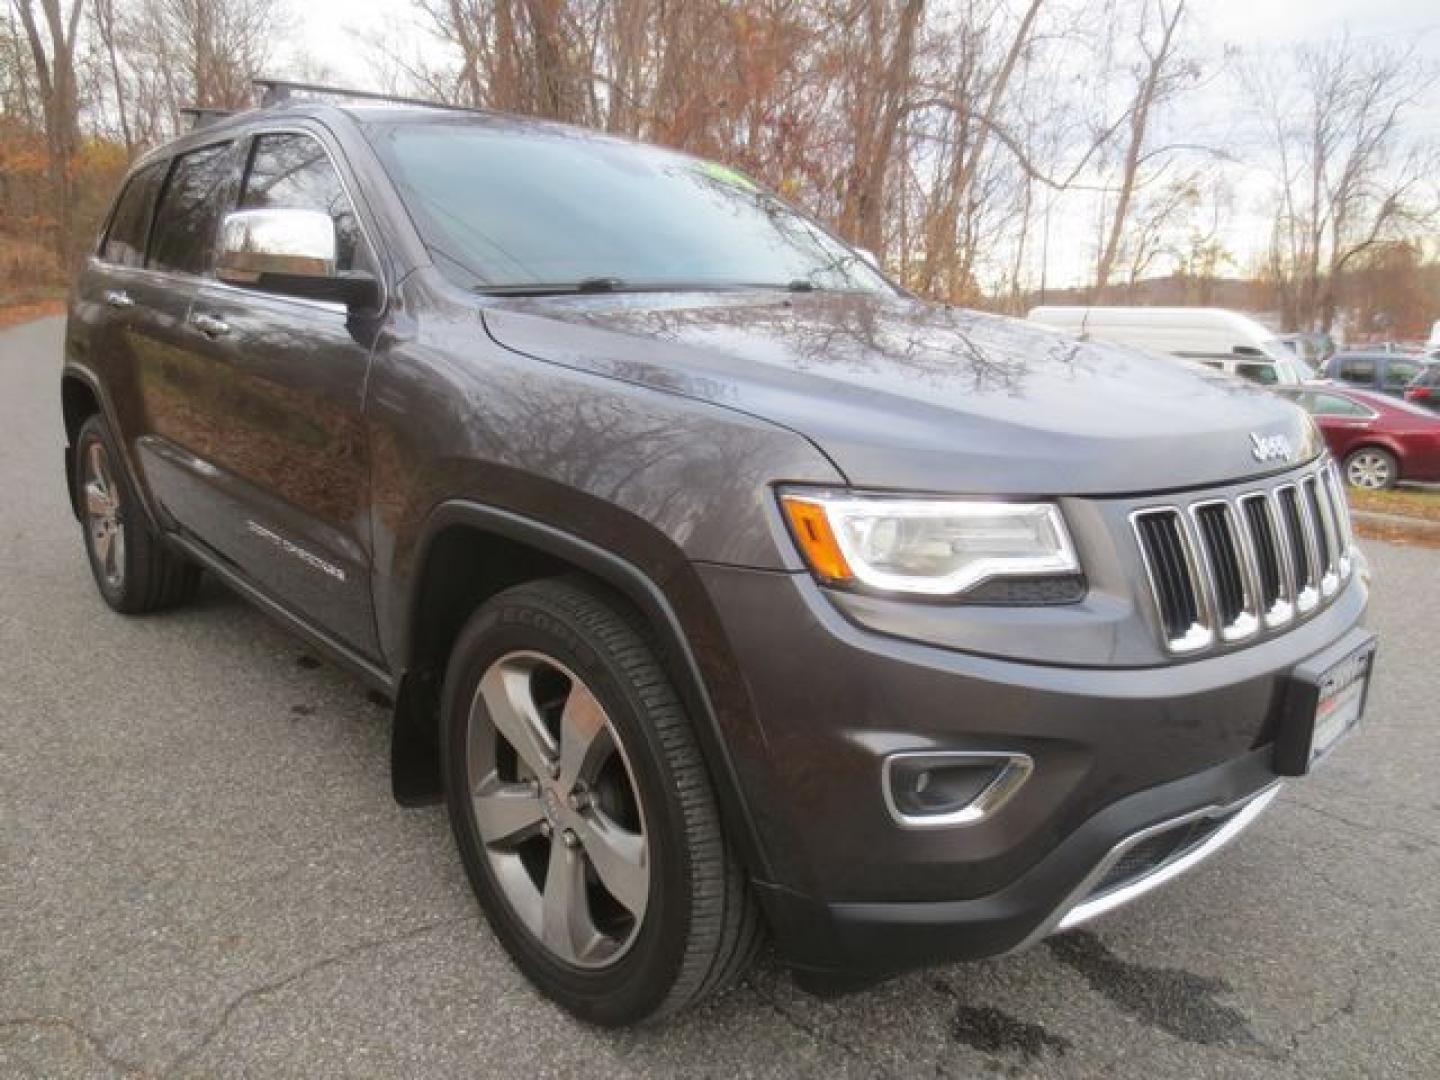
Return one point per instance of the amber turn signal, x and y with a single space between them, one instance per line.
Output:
816 539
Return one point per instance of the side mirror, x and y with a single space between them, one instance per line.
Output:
291 253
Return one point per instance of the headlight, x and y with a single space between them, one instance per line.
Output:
939 547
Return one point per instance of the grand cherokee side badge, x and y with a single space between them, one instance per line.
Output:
294 550
1270 447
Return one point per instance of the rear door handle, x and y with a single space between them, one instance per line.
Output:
118 298
210 326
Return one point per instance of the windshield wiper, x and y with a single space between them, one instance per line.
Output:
564 288
601 284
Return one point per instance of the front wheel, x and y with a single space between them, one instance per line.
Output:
1372 469
582 810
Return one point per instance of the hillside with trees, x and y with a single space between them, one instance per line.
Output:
975 146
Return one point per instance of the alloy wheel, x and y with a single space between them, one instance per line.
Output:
104 527
1369 470
557 809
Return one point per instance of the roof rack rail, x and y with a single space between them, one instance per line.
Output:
283 91
202 116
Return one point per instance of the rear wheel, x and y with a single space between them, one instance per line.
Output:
1372 469
134 569
583 812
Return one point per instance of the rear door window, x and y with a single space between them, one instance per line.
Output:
125 239
1358 370
1264 374
291 171
1335 405
189 209
1398 373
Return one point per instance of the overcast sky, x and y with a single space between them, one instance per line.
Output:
332 32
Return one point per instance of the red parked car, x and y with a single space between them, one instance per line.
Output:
1378 439
1424 389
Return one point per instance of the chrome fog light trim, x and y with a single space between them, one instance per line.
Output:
1012 770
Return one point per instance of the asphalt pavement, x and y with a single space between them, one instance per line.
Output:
202 874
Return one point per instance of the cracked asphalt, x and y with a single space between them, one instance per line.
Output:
202 874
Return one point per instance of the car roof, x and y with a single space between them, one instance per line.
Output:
362 111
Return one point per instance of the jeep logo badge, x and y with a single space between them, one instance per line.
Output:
1270 447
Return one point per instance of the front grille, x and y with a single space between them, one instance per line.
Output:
1228 568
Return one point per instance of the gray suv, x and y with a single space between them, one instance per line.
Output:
724 591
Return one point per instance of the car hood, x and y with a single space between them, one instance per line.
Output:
902 394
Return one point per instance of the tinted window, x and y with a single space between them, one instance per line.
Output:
1429 376
293 172
502 204
125 241
1357 369
1400 372
189 210
1334 405
1264 374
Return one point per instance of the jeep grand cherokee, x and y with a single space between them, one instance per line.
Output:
722 588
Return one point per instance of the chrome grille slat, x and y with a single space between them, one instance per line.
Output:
1300 548
1327 544
1274 583
1231 592
1339 514
1173 572
1229 568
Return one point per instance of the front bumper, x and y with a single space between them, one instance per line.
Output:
1125 761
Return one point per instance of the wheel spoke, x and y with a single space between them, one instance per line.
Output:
98 472
104 542
506 693
620 858
567 928
507 813
585 737
97 500
117 551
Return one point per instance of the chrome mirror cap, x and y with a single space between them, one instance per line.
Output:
259 243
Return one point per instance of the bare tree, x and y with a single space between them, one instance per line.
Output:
1346 176
1158 76
877 100
51 36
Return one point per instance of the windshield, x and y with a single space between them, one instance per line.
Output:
505 206
1289 368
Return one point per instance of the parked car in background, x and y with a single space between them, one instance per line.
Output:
1312 349
1224 340
1384 372
1424 389
1378 441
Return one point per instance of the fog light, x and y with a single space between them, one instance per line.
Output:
932 789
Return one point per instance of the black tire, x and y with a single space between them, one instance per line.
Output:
144 574
1371 468
701 927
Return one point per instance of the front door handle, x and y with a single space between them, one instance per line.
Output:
118 298
210 326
